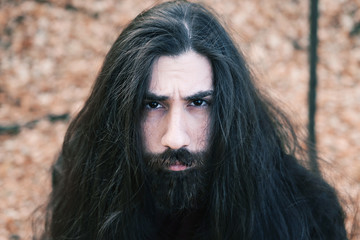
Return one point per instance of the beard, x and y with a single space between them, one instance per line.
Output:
175 191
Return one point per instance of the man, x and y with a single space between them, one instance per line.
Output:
176 142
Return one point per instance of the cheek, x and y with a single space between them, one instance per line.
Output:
205 135
150 134
200 131
146 135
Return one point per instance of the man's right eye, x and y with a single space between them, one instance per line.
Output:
152 105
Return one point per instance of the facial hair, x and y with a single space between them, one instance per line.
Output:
174 191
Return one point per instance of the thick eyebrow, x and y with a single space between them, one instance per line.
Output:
202 94
199 95
149 96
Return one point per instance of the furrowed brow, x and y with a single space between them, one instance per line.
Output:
199 95
153 97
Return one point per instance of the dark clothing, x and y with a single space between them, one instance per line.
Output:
179 226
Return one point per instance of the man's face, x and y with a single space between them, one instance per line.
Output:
177 105
175 127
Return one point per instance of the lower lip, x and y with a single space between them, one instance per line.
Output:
178 167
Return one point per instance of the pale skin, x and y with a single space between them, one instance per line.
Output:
177 105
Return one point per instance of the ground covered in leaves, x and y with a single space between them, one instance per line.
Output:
51 51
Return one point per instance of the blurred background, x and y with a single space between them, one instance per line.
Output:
52 50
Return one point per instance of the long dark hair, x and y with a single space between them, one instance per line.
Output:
258 189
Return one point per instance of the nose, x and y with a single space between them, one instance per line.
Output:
176 133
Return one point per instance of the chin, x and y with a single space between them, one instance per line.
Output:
177 190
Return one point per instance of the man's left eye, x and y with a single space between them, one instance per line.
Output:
198 103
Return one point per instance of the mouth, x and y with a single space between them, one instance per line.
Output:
178 166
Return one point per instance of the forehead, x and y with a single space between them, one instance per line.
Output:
183 75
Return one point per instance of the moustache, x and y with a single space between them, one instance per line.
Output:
179 156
